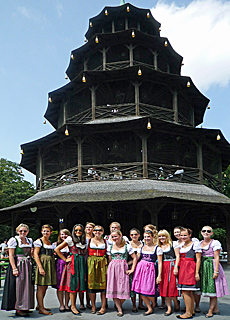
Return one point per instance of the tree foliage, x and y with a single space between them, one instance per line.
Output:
226 182
13 187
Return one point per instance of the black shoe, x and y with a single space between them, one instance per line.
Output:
21 314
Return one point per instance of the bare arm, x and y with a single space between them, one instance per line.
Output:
133 255
37 259
159 258
217 261
198 262
177 253
12 262
59 253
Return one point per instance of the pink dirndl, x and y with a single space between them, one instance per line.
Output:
144 278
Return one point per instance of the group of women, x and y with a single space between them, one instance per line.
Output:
116 267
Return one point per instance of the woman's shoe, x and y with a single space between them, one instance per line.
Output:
120 314
167 314
62 310
93 311
75 313
21 314
134 310
46 313
100 313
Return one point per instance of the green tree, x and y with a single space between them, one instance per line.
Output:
226 182
13 187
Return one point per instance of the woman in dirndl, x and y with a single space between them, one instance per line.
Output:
63 297
46 269
118 274
213 283
171 258
144 279
18 289
74 275
189 266
97 269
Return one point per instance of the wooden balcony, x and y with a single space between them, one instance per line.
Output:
130 171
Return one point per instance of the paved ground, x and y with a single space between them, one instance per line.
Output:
52 302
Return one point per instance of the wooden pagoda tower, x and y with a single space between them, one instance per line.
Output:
126 145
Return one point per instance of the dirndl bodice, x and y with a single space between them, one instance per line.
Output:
119 255
187 266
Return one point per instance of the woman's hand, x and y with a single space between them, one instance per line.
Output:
197 277
68 259
215 275
15 272
158 279
42 271
128 272
175 271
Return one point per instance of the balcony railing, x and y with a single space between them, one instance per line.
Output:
128 109
130 171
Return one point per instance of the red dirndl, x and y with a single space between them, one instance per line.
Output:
187 271
167 285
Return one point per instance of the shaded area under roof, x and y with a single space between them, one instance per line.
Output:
31 149
123 191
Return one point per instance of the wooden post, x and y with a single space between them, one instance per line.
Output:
79 162
93 101
137 98
220 173
104 58
131 55
85 65
126 24
155 60
200 162
40 163
144 157
113 27
175 106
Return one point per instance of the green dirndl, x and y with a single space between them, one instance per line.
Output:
207 283
50 278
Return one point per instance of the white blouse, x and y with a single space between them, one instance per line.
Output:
215 245
100 246
122 250
38 244
12 243
175 245
196 247
70 243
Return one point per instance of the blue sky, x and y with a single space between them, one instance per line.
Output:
37 38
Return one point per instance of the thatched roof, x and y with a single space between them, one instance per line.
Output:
123 190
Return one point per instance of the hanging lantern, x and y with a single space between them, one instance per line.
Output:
44 122
149 125
72 56
159 29
139 72
127 9
106 12
182 64
208 107
90 24
148 15
66 131
85 40
50 100
66 77
218 137
96 39
188 84
133 34
166 43
22 152
83 78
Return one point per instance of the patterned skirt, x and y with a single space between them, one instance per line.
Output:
209 286
74 275
97 272
117 280
50 278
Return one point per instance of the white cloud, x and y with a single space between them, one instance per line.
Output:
200 32
59 9
37 17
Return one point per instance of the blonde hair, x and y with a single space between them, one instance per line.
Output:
22 225
117 223
154 231
98 226
207 227
164 233
90 223
47 226
120 234
66 231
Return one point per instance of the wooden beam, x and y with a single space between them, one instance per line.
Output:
200 162
175 106
145 157
79 153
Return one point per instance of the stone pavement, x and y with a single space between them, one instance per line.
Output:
52 302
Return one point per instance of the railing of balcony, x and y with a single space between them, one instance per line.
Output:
131 171
128 109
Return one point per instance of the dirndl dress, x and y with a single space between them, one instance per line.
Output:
144 279
97 267
19 291
60 265
212 287
74 274
47 259
187 268
168 286
117 279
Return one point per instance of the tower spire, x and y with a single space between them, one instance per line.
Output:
122 2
